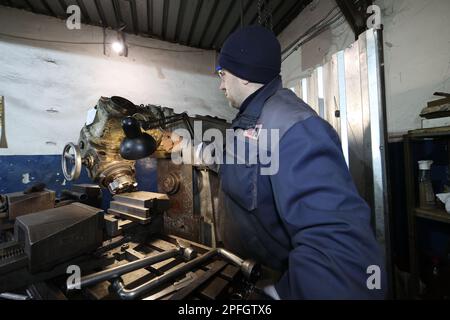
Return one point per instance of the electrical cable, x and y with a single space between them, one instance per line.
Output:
170 50
312 28
44 40
97 43
314 31
319 31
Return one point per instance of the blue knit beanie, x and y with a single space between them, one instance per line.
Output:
252 53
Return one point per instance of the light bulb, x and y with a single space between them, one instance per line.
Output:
117 46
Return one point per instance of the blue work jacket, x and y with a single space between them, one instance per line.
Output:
307 220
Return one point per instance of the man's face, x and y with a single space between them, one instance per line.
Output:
231 86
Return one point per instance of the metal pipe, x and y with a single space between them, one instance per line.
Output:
248 267
13 296
126 294
123 269
231 257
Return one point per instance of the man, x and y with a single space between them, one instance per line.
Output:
306 220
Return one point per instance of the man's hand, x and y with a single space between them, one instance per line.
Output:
170 142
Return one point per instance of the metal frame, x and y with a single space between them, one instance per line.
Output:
378 127
358 85
355 15
343 104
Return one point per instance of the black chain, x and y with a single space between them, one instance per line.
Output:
259 12
265 14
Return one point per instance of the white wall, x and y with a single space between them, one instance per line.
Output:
417 54
317 51
417 57
48 87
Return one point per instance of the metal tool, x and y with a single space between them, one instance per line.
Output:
109 274
126 294
249 269
182 294
13 296
183 283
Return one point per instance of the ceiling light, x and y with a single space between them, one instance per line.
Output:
117 46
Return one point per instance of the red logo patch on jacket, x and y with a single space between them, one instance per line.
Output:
253 133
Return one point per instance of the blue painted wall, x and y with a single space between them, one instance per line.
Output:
47 169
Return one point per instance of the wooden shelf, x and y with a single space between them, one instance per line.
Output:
430 132
433 214
418 215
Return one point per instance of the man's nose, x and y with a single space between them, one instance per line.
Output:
222 85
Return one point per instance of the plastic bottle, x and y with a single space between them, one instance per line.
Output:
426 193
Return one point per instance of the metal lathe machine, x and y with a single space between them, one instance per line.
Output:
140 245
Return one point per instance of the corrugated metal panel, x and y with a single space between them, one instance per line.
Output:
331 93
39 7
251 12
127 16
55 7
195 19
91 15
356 130
196 23
313 97
204 17
157 17
20 4
173 18
86 16
110 14
142 22
186 21
222 12
227 26
101 13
